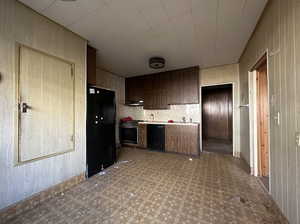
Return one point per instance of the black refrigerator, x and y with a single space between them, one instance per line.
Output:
100 129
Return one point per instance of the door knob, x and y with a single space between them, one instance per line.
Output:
25 107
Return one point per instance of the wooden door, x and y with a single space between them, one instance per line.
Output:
46 85
263 119
217 112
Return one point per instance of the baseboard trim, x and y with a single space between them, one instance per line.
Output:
34 200
247 166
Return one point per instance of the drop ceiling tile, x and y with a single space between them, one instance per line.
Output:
185 32
205 10
155 17
66 13
39 5
87 26
176 8
131 17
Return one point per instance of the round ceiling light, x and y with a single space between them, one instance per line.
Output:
157 62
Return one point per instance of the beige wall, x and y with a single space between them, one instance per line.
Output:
279 32
20 24
223 75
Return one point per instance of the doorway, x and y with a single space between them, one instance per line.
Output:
259 117
262 103
217 122
100 129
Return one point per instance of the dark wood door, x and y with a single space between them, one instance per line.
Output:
217 112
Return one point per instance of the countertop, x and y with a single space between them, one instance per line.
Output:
167 123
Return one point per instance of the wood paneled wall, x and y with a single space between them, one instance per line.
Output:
19 24
279 32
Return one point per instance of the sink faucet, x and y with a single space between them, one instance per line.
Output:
183 119
152 116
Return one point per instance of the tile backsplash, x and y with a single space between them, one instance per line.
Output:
176 113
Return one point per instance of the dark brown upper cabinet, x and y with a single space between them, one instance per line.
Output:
158 91
91 65
157 96
190 79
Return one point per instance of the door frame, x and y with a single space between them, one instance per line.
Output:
17 101
253 119
235 152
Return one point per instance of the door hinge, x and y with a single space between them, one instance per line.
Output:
72 138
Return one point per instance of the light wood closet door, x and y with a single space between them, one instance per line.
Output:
263 118
46 85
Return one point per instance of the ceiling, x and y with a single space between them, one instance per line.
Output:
185 32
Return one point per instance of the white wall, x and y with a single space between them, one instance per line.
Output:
20 24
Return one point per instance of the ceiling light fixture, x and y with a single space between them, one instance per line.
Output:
157 62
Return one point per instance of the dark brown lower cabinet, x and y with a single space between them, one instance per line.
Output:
142 135
182 139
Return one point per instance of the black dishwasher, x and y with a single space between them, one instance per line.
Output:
156 137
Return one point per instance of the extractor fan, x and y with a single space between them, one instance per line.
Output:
157 62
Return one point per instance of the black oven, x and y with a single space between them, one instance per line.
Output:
129 132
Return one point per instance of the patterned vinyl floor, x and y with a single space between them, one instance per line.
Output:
152 187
